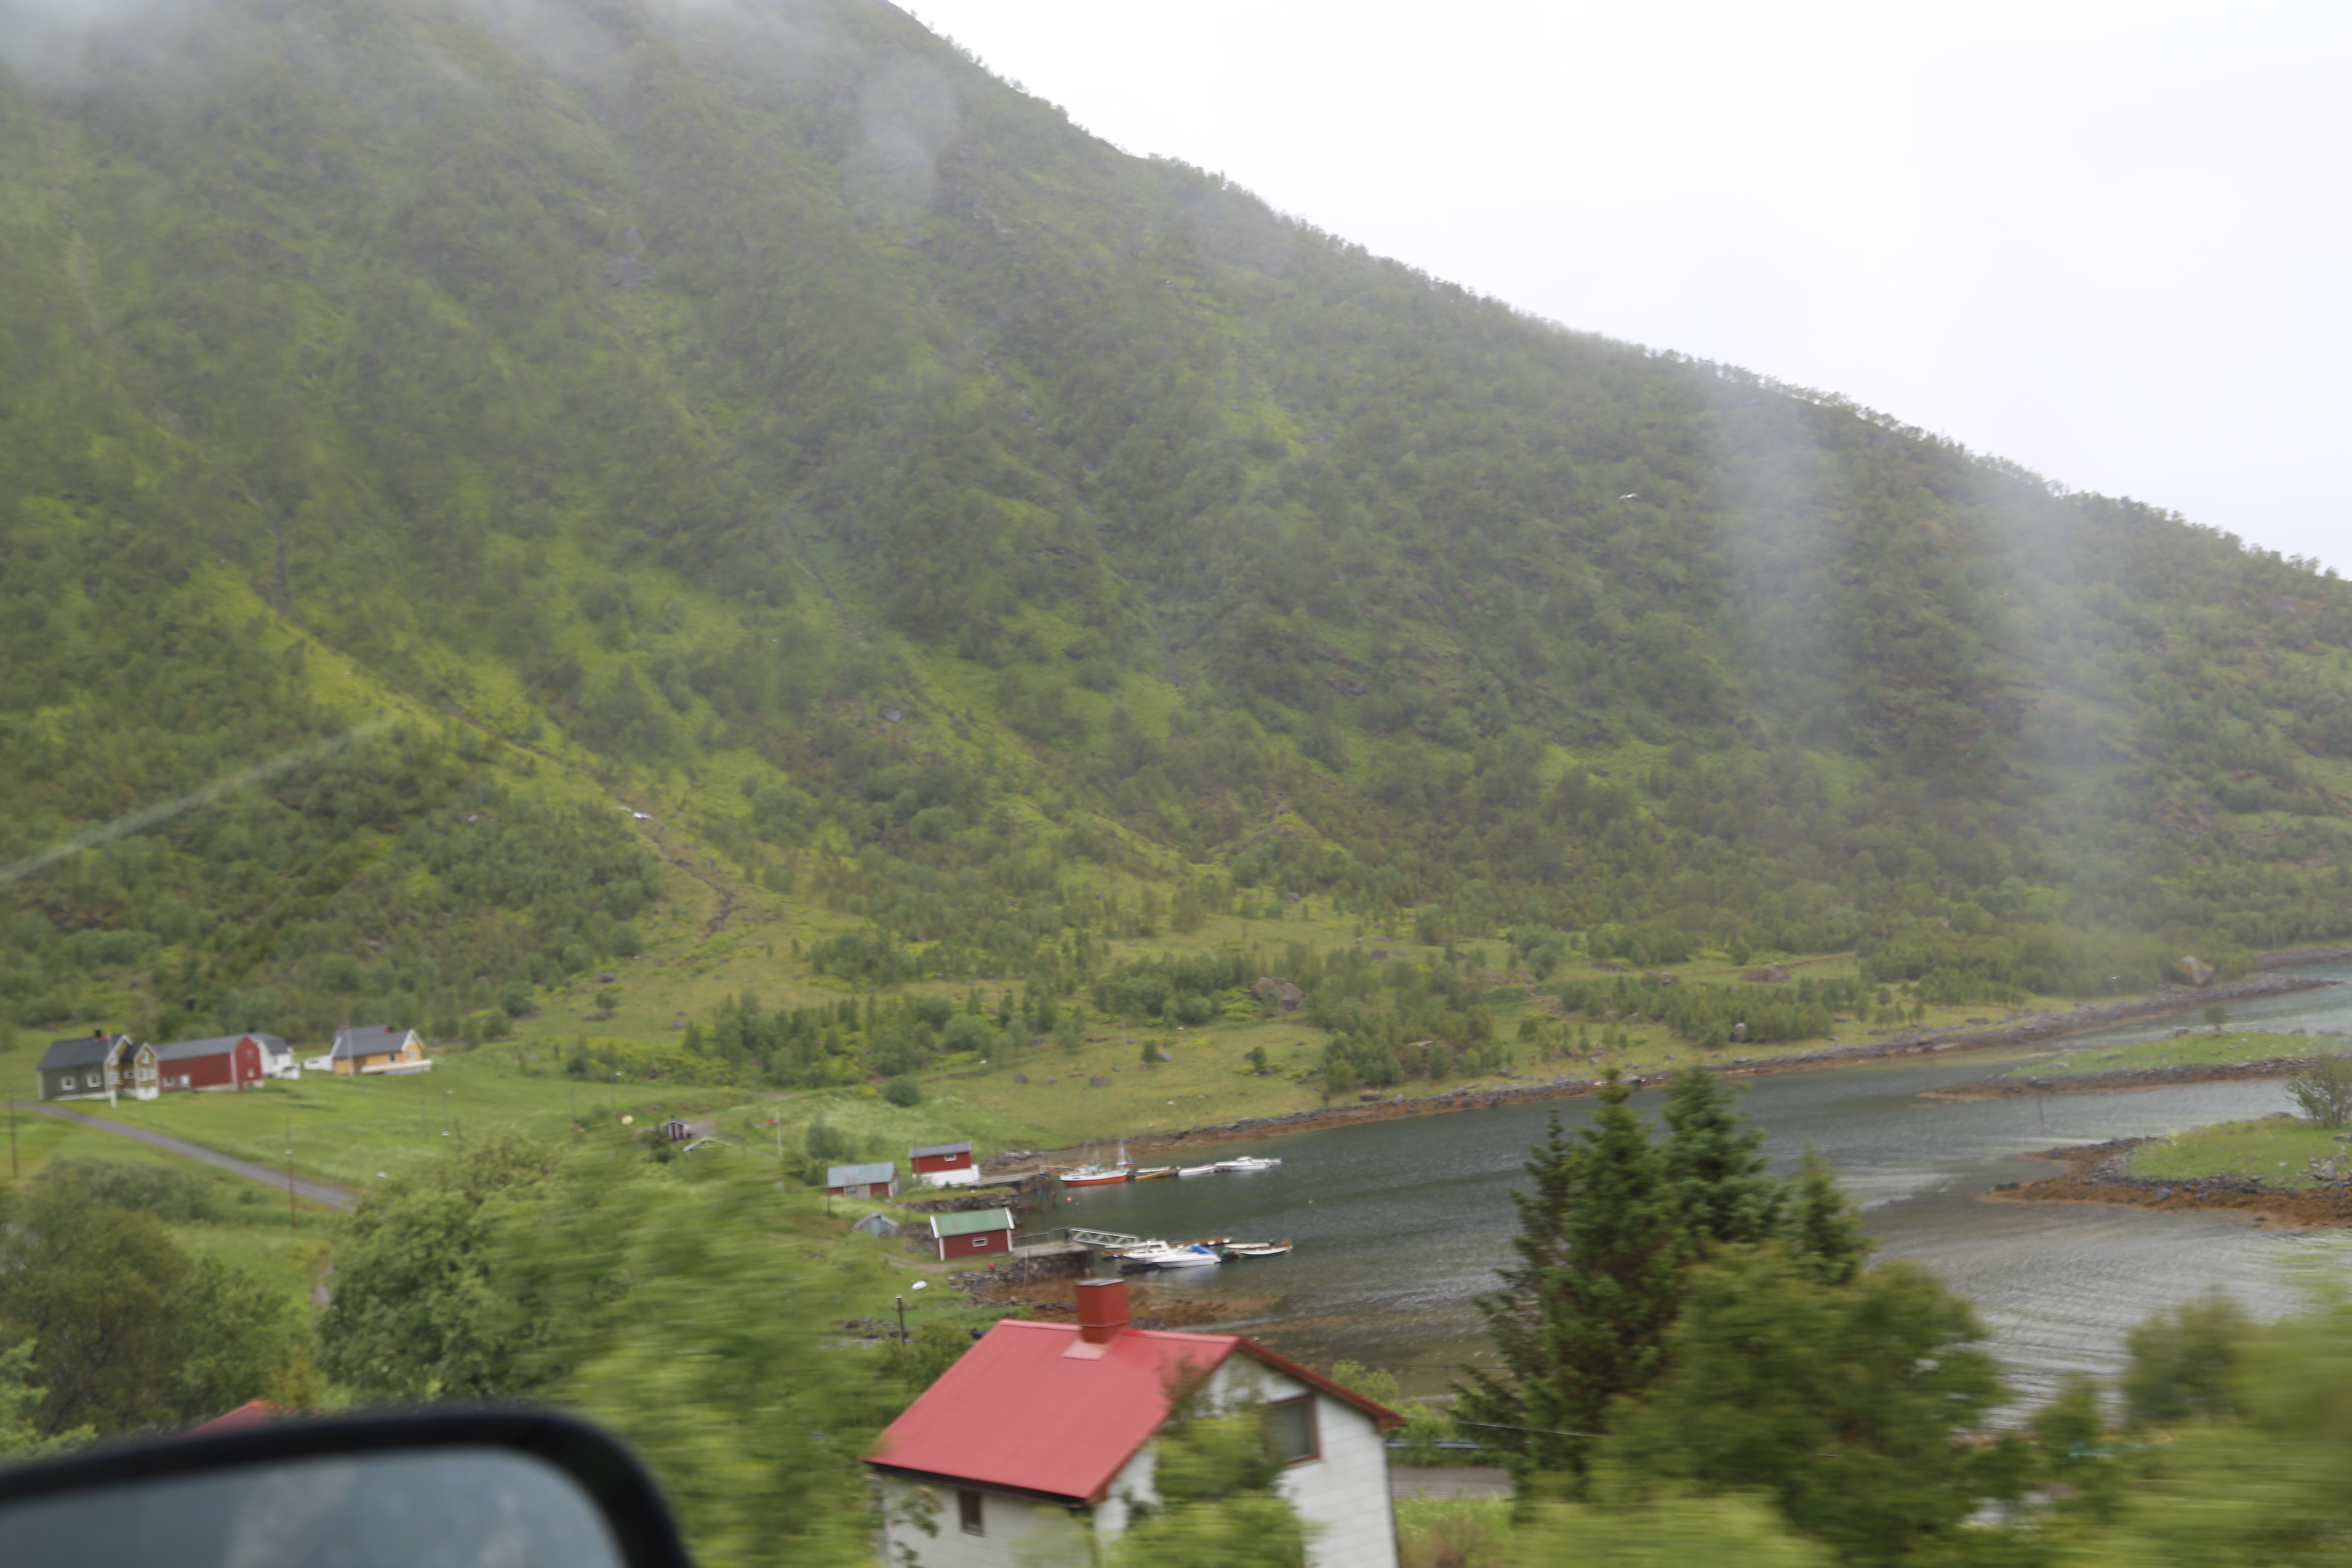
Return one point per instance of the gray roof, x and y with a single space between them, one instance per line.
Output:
861 1175
180 1050
369 1040
273 1046
920 1150
81 1051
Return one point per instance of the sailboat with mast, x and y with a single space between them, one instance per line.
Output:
1094 1175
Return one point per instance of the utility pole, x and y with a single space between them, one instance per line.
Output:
293 1215
902 1320
11 1140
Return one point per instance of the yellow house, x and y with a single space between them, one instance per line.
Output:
368 1049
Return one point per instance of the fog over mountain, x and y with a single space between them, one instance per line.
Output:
965 536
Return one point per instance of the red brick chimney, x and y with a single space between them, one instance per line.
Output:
1102 1310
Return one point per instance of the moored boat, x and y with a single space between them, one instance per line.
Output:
1188 1255
1155 1174
1196 1170
1094 1175
1247 1163
1258 1249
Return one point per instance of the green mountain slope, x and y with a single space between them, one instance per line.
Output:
975 543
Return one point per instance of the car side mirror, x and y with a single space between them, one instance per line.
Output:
426 1489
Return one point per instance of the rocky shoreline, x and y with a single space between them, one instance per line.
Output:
2036 1030
2098 1174
2124 1078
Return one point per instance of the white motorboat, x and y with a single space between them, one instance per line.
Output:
1196 1170
1190 1255
1247 1163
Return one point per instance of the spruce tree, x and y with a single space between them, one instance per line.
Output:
1583 1315
1821 1227
1613 1224
1723 1191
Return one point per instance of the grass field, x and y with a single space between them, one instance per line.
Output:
348 1132
2278 1150
2201 1048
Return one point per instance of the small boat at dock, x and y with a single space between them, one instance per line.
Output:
1094 1175
1258 1249
1247 1163
1186 1255
1196 1170
1155 1174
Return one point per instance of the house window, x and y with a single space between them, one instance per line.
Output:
979 1241
968 1513
1290 1430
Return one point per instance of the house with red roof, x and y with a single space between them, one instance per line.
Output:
1036 1445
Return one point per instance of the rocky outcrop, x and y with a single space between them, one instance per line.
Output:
2100 1173
1276 993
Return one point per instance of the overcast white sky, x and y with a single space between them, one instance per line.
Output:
2106 241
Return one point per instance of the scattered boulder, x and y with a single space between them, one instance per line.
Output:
1099 1081
1766 973
1280 992
1021 1078
2195 969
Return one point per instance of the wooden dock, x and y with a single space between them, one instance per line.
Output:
1041 1249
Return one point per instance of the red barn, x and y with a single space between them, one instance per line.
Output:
874 1180
225 1061
943 1164
988 1233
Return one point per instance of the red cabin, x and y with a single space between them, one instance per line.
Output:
985 1233
943 1164
225 1061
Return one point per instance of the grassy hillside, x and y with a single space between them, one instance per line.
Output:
743 501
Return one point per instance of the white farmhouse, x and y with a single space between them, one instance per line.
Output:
1032 1449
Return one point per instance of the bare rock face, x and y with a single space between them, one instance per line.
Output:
1765 973
2195 969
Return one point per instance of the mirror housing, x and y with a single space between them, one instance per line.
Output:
515 1488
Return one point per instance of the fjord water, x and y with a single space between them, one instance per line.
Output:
1398 1223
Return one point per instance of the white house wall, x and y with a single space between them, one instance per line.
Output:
1346 1490
1016 1531
961 1176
